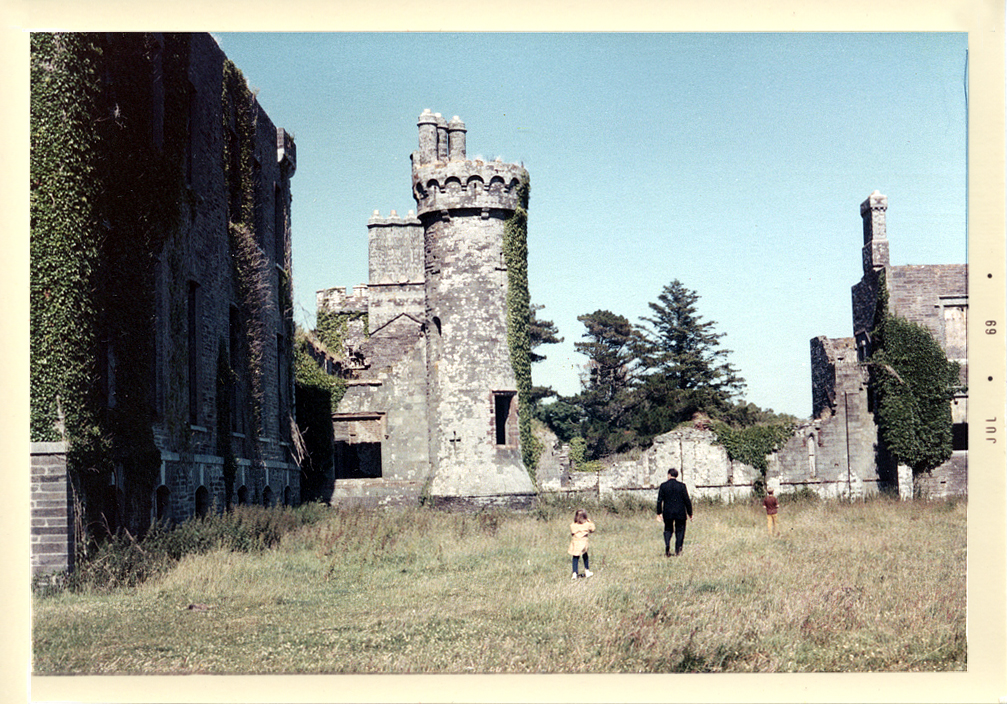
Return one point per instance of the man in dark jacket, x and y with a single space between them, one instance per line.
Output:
673 505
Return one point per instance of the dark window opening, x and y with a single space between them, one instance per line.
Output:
242 495
504 422
357 444
279 227
162 504
234 381
960 436
202 502
193 341
281 386
267 497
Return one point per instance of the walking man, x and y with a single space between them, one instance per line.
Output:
673 506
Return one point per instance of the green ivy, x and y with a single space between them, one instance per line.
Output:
913 383
249 264
317 396
332 328
515 249
752 444
104 200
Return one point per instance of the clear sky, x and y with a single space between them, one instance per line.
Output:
735 163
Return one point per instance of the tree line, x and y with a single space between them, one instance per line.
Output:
644 379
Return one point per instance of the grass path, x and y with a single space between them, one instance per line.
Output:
866 587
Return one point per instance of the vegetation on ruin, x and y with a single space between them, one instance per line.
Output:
104 199
644 380
752 444
913 384
332 327
250 266
519 314
821 597
317 396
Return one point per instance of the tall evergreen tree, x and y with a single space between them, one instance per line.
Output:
684 369
607 394
541 332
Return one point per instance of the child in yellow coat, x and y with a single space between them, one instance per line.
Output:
579 530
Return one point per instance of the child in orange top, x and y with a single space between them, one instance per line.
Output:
772 507
579 530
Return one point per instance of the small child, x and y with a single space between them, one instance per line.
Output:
772 507
579 530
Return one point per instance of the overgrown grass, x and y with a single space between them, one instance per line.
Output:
878 586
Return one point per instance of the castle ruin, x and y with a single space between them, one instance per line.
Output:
431 407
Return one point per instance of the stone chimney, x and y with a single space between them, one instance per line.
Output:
875 250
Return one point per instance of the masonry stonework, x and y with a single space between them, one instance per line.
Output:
201 317
836 453
52 516
433 371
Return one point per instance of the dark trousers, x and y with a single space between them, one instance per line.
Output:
674 526
575 562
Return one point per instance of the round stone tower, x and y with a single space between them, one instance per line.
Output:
463 205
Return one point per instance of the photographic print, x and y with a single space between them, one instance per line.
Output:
508 353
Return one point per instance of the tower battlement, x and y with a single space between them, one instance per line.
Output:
393 219
444 179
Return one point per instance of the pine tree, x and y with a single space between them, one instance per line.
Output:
608 392
684 368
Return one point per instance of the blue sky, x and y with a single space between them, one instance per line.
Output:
735 163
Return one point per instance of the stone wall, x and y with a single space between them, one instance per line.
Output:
52 512
434 369
196 268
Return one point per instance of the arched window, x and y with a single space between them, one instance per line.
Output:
202 502
286 496
242 495
162 504
267 497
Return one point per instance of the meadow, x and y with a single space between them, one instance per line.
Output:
878 586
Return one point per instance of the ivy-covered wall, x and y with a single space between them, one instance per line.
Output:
515 249
913 383
107 143
136 198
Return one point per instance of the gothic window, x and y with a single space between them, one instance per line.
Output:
281 385
234 382
279 227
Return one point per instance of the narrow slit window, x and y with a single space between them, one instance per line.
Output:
504 419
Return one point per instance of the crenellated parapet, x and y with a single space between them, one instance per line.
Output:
392 220
466 184
444 179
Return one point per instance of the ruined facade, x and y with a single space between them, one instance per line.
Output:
179 201
431 408
935 296
836 453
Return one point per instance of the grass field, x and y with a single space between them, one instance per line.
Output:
878 586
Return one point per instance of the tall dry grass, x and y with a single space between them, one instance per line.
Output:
878 586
